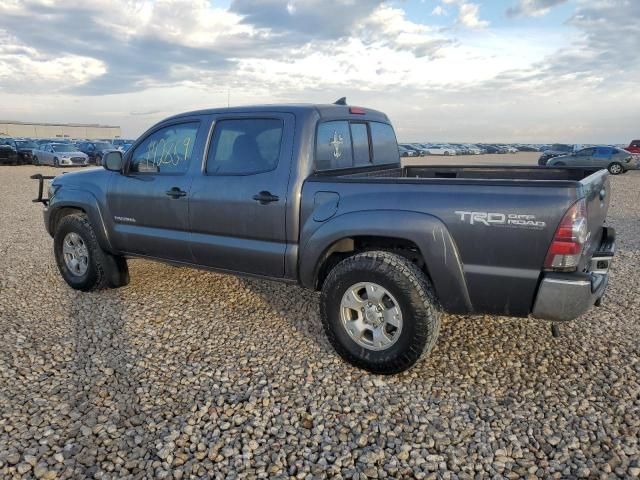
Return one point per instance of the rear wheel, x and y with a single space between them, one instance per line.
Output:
615 169
446 153
378 312
35 161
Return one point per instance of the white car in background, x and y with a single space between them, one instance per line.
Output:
440 150
59 155
474 149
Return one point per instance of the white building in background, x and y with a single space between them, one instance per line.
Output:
58 130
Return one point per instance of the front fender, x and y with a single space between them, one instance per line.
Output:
432 237
69 197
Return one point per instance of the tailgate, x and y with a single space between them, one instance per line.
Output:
597 194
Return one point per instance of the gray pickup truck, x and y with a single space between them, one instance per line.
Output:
315 195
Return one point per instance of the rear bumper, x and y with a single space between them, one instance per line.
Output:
567 296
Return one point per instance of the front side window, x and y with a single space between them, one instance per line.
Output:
167 150
245 146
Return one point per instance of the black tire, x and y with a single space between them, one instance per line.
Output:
446 154
410 287
56 162
103 269
615 168
35 161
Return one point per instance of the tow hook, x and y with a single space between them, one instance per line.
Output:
555 330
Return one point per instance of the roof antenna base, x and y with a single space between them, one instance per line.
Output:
341 101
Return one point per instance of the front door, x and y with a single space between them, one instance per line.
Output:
237 206
149 203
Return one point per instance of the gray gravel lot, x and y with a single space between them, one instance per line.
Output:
186 374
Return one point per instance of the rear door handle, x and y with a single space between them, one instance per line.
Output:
265 197
175 192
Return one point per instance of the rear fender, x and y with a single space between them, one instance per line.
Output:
436 246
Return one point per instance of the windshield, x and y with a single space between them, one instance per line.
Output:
23 144
104 146
64 148
561 148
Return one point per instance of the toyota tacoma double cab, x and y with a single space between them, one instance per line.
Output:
315 195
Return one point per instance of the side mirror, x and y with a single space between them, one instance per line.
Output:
112 161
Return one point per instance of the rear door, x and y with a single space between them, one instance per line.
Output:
150 203
238 204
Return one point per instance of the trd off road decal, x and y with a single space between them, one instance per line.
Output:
497 219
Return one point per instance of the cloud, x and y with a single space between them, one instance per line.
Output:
533 8
438 10
468 14
133 62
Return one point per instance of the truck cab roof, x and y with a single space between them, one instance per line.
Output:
324 111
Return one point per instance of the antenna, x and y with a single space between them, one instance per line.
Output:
341 101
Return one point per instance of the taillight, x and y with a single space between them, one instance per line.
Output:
568 242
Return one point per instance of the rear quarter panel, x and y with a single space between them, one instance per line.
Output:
501 264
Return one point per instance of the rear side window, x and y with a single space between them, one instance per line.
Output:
333 146
167 150
244 146
385 146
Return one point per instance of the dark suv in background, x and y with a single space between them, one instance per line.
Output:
8 152
95 150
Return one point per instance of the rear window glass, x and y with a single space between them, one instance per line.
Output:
360 139
343 144
385 146
333 146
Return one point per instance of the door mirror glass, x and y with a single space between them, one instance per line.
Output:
112 161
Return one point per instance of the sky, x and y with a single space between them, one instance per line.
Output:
532 71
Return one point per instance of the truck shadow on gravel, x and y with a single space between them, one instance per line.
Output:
103 401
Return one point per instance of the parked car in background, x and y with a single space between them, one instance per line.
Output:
123 147
420 148
95 150
410 146
440 150
473 149
25 151
8 152
614 159
494 148
527 148
406 152
59 155
556 150
634 147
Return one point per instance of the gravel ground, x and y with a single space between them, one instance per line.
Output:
186 374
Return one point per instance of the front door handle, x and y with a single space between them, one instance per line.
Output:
175 192
265 197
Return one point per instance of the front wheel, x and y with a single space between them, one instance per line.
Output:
615 169
378 312
56 163
81 261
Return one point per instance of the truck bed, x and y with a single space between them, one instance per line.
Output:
463 172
